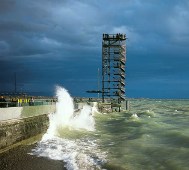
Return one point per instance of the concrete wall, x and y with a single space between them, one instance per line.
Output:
28 111
25 111
10 113
113 107
16 130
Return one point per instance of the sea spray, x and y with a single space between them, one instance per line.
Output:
66 117
64 111
94 108
77 152
84 119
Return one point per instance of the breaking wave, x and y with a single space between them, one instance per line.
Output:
69 136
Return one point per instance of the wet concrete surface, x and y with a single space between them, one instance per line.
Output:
9 113
19 159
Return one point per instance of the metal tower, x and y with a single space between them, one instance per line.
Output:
113 66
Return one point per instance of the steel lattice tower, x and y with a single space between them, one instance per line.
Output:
113 66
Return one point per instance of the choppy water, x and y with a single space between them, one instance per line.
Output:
154 134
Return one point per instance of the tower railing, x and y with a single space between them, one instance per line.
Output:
113 66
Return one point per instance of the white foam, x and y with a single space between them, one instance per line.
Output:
84 119
134 116
94 108
77 154
65 116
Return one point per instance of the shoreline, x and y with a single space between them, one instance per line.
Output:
19 158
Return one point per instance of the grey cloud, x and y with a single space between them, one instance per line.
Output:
65 36
6 5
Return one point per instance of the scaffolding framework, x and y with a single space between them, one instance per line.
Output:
113 67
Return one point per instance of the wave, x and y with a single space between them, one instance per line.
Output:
67 137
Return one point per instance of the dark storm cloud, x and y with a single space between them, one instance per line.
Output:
61 39
6 5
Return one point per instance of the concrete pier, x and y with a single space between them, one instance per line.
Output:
10 113
110 107
21 123
17 130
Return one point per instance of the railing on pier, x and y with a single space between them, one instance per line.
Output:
26 102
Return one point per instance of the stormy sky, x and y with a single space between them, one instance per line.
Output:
59 42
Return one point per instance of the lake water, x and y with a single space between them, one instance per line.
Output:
154 134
